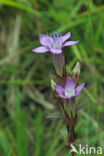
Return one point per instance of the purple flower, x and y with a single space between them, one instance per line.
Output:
69 91
54 43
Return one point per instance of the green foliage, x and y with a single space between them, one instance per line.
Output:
25 89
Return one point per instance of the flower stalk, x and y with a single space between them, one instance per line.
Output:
66 91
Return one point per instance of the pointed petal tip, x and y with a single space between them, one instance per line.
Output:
33 50
41 49
69 78
65 37
77 41
68 33
79 88
70 43
83 84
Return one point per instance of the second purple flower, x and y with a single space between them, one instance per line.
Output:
69 91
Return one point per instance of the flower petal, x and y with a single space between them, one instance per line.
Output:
69 84
76 94
41 49
65 37
45 39
66 97
69 43
63 96
55 51
79 88
59 89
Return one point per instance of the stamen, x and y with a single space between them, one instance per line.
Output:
55 41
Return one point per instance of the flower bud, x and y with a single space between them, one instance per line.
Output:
76 72
52 84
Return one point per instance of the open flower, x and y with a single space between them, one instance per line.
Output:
54 43
69 91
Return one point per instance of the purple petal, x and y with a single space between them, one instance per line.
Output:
79 88
63 96
45 39
69 84
69 43
55 51
76 94
40 49
59 89
66 97
65 37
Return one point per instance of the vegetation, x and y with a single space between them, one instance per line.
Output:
25 92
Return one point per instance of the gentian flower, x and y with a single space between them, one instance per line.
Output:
54 43
69 91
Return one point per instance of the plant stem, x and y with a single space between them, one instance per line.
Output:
71 137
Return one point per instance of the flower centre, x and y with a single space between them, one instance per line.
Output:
69 92
55 41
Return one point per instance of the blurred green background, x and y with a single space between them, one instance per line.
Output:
25 92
